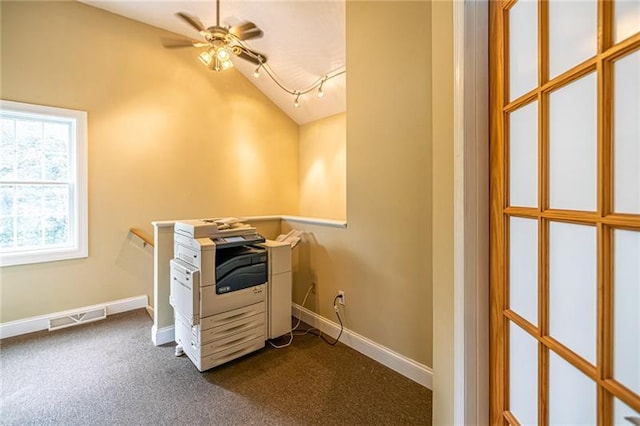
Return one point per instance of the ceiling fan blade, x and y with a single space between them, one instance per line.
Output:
245 26
174 44
250 55
192 20
246 31
248 35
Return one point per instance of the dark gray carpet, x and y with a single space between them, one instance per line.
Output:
109 373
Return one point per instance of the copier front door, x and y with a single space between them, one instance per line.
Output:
238 268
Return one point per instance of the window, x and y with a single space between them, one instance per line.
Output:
43 184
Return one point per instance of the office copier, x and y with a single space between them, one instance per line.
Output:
230 290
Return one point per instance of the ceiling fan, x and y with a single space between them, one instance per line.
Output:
222 42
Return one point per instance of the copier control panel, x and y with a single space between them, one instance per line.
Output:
238 240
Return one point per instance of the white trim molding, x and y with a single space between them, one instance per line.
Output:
471 213
41 322
164 335
330 223
409 368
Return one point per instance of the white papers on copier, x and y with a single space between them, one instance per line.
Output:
202 228
292 237
230 223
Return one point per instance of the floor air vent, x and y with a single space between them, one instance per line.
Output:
77 318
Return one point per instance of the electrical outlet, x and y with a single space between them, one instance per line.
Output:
313 287
341 297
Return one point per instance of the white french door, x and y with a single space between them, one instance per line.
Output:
565 212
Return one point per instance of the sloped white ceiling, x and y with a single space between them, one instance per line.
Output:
303 39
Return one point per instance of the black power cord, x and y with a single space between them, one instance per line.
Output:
335 308
316 332
311 330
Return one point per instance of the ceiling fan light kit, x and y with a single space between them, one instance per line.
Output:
217 60
223 42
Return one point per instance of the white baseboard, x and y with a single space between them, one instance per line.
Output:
41 322
409 368
163 335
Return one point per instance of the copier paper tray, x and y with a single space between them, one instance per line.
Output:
240 267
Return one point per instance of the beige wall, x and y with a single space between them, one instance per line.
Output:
168 139
382 260
323 168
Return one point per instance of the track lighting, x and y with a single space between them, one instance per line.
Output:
320 91
319 84
219 59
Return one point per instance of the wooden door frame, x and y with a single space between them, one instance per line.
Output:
497 302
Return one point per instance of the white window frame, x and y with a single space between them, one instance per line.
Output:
78 223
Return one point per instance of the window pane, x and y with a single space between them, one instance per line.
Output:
627 18
7 150
572 146
572 287
7 171
57 137
621 411
6 200
523 268
572 33
56 230
55 211
29 134
626 302
56 167
523 48
523 156
8 132
626 134
572 395
6 232
29 148
29 231
28 200
55 200
523 376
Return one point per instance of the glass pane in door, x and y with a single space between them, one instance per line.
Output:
572 287
626 19
626 308
523 156
572 145
523 48
622 414
626 134
572 395
523 376
572 33
523 268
